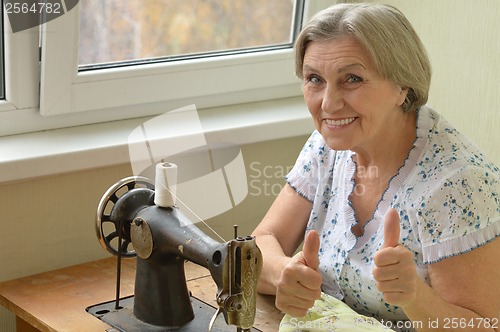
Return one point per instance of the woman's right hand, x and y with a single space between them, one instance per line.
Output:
299 285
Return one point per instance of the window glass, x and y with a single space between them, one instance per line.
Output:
119 32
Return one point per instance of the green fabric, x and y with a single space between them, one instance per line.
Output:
330 314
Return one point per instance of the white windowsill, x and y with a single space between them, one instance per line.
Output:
74 149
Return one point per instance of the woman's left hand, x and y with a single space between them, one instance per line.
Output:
395 270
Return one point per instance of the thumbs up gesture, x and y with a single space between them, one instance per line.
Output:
395 270
300 281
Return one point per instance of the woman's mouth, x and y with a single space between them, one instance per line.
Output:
340 122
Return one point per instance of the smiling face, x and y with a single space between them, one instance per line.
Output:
353 107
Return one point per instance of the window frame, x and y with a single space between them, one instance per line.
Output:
66 90
21 69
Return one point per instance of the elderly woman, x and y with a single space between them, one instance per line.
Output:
400 212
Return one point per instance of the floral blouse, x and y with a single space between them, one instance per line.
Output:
447 194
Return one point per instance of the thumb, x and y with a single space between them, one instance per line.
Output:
310 250
392 229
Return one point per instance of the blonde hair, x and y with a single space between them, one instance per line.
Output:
389 38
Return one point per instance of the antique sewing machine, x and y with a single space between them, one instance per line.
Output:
132 212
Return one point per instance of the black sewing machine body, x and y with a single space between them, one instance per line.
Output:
163 238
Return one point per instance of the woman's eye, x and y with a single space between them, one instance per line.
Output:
313 79
354 79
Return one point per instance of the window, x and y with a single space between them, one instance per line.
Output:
157 86
75 90
168 30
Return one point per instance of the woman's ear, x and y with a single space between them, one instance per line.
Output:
402 95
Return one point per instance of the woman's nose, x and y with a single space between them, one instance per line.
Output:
332 99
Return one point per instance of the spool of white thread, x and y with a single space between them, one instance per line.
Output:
165 182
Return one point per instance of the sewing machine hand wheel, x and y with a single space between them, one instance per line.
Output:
107 229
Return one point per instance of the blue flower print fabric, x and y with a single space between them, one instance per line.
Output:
446 194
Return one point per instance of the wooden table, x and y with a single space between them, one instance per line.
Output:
55 301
